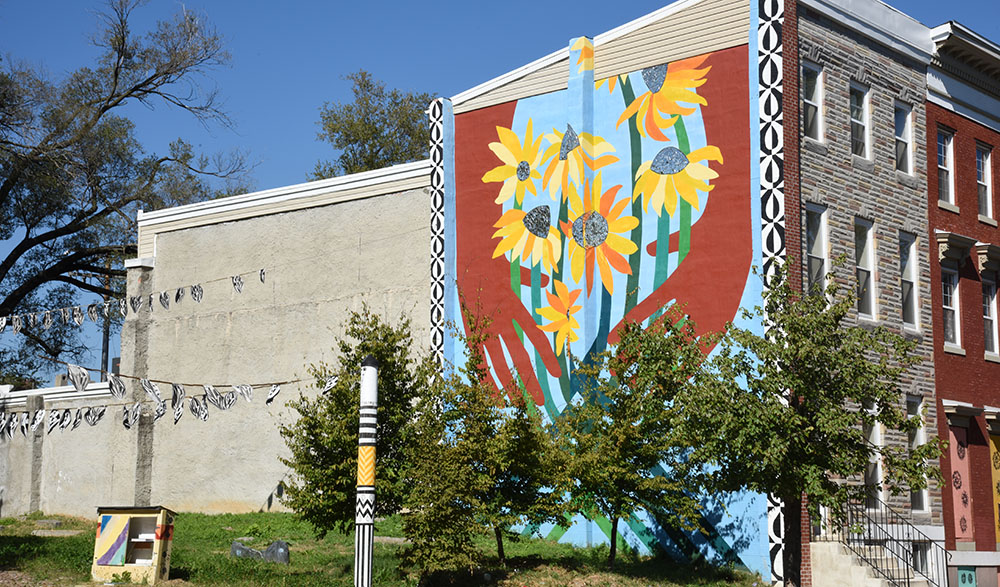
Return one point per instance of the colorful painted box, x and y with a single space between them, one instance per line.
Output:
133 540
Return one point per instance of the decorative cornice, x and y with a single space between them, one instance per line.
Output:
953 247
965 73
988 256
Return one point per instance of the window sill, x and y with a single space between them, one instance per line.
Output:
907 180
862 163
868 322
912 334
948 206
811 144
987 220
992 357
954 350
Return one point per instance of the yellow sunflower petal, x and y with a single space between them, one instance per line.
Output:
708 153
504 154
700 171
500 173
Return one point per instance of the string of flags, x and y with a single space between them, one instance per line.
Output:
198 405
77 315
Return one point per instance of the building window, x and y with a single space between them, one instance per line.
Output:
812 101
908 279
904 137
914 409
816 248
864 261
944 160
873 472
949 306
989 316
983 181
859 121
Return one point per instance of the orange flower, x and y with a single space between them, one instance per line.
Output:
667 85
559 313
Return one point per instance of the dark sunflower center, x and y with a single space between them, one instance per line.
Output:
654 76
590 230
538 220
569 142
523 171
668 161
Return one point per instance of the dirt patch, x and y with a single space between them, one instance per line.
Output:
19 579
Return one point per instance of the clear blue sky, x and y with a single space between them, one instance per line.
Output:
288 58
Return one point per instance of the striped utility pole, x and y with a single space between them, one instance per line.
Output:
364 519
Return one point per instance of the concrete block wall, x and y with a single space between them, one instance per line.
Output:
851 187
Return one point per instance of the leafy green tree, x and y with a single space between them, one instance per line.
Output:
72 173
324 439
625 453
787 414
481 463
379 128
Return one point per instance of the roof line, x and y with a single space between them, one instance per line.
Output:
561 54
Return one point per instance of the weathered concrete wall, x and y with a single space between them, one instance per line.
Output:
320 264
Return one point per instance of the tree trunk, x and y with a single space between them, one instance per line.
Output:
499 534
792 547
614 543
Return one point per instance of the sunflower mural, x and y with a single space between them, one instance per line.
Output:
578 210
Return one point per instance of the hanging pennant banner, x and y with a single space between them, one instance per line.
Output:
123 307
179 295
16 324
3 324
136 303
12 426
197 293
150 306
199 409
26 422
330 383
178 411
66 420
78 419
54 419
213 397
32 320
151 388
275 390
238 283
37 419
64 313
130 417
77 315
93 415
161 409
107 309
245 390
47 320
115 386
165 300
177 395
78 376
92 313
262 275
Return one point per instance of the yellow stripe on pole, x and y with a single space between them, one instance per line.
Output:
366 465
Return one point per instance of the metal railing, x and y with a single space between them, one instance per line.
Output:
888 543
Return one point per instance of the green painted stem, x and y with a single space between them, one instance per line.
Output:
684 243
635 259
540 371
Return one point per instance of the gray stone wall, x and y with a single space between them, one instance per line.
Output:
851 187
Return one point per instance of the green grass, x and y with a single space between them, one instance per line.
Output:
201 557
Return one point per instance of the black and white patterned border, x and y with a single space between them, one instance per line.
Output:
772 198
436 113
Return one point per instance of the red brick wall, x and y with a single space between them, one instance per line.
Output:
968 378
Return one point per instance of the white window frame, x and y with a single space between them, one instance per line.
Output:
990 316
816 101
864 121
984 179
908 274
946 163
822 237
873 473
915 407
866 262
906 137
950 277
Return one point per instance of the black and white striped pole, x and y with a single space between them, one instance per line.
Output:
364 519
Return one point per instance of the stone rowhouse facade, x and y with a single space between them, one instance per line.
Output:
846 188
964 103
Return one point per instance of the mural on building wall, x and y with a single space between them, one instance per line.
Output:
569 213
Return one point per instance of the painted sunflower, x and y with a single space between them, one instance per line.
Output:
586 48
528 235
559 313
568 153
594 234
667 84
520 164
672 173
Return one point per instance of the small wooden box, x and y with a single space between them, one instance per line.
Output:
133 540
